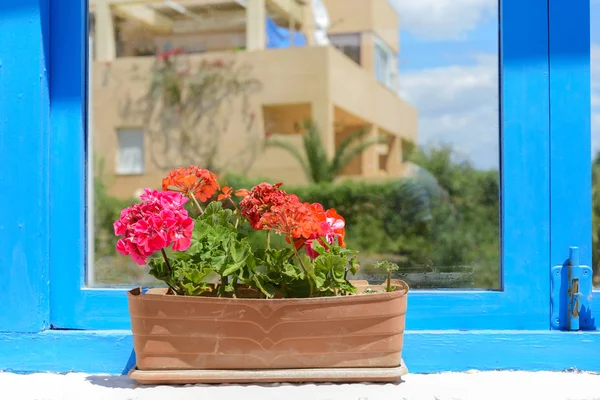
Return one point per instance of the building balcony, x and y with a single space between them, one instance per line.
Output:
297 83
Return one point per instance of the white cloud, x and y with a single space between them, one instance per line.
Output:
595 67
458 105
443 19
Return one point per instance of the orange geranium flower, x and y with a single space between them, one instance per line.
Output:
192 181
325 224
225 193
242 193
332 226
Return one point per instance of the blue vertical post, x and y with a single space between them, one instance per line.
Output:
525 170
24 166
570 133
574 275
68 164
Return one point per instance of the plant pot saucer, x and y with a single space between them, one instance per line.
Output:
269 375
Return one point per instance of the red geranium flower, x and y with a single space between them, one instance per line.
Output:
259 201
291 218
166 55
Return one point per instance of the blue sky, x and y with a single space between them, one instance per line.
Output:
448 70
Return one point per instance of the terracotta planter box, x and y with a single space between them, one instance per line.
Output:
182 339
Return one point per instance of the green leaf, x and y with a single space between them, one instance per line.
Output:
296 287
343 158
239 251
292 271
264 286
201 230
333 265
218 261
218 217
229 288
314 273
354 265
196 276
314 162
194 290
318 247
214 207
231 268
195 247
386 265
316 154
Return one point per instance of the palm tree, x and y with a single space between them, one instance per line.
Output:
315 163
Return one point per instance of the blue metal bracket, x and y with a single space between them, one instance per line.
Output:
571 295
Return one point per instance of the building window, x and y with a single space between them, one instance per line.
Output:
385 64
130 153
347 43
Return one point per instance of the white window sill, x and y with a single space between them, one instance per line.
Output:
471 385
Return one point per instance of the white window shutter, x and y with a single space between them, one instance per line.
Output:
130 152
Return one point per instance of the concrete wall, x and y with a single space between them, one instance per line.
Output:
369 100
376 16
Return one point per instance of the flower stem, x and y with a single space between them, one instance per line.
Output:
234 205
268 240
169 268
197 204
310 282
166 260
389 281
237 213
299 248
224 283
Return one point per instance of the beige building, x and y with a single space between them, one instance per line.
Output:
344 78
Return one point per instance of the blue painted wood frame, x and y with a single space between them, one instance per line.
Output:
24 155
570 134
110 352
522 304
53 222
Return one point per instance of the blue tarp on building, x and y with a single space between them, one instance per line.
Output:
280 37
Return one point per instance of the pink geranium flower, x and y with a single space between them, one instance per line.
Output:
158 222
331 227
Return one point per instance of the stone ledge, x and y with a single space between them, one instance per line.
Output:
456 386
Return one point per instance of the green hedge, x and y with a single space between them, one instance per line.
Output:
596 218
415 222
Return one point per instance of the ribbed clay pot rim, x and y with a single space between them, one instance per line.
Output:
401 290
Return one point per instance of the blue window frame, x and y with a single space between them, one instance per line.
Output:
545 199
525 187
570 136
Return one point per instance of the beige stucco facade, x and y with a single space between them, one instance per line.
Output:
317 82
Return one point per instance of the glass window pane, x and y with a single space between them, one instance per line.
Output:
387 111
130 151
347 43
595 92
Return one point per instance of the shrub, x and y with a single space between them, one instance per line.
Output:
420 221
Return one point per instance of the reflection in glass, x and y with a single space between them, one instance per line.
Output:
402 104
595 83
